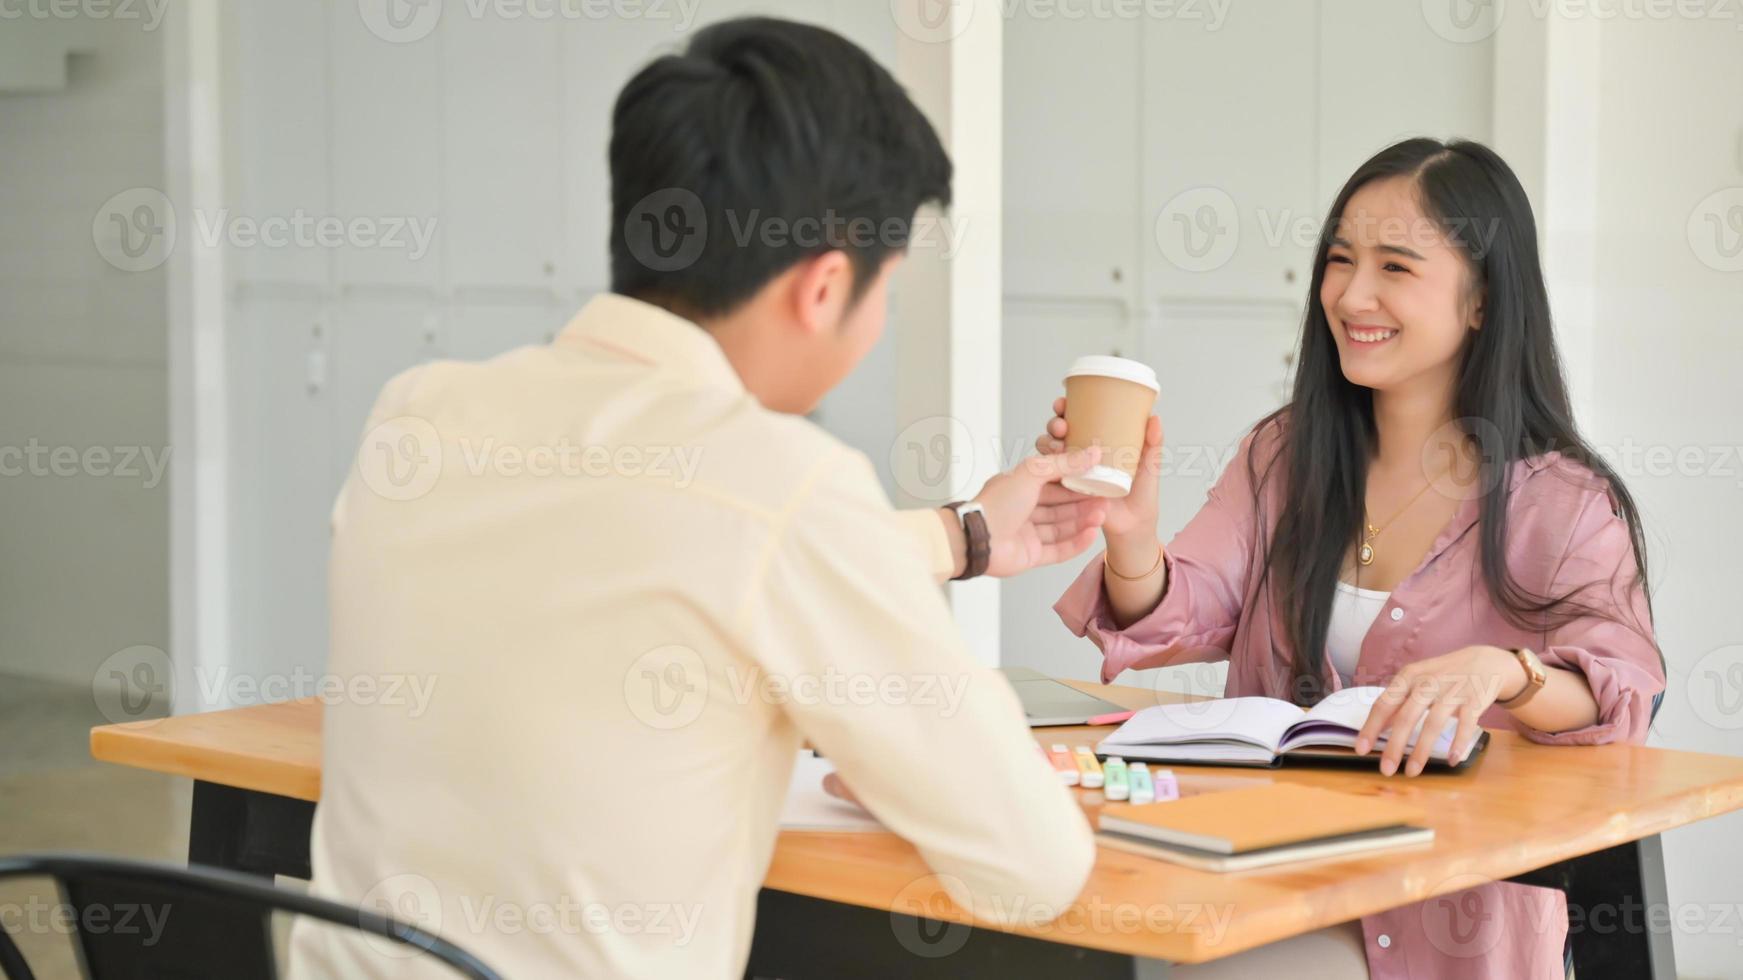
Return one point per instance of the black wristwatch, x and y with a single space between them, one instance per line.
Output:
974 531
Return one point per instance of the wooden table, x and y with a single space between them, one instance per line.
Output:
1584 819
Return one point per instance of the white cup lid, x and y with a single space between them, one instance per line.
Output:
1100 481
1108 366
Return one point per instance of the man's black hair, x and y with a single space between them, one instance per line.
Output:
764 143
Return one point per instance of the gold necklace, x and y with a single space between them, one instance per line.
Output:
1366 554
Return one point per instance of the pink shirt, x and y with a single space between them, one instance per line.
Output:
1562 533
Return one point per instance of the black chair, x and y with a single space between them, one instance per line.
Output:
212 924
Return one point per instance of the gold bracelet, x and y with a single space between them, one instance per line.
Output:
1160 551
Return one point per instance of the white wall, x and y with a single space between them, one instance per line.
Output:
1668 349
83 557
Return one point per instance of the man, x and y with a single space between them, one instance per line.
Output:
629 643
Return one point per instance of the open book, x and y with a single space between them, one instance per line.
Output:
1258 732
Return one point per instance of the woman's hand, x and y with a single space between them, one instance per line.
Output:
1459 685
1130 520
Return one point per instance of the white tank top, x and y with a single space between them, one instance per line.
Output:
1353 610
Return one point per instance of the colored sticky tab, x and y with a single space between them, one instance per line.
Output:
1064 764
1088 770
1143 790
1166 786
1114 783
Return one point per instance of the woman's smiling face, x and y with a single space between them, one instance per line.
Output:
1396 290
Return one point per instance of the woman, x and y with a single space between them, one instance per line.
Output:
1423 515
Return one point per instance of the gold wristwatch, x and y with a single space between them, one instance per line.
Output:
1536 675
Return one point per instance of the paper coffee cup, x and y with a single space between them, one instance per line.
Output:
1107 404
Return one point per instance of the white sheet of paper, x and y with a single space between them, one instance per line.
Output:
810 807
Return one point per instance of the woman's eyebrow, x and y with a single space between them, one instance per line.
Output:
1401 250
1339 241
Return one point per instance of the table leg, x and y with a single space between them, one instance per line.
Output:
799 938
1618 910
248 831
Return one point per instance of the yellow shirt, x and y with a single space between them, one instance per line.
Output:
589 599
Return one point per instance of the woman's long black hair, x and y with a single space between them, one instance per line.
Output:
1510 399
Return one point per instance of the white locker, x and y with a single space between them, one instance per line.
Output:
1072 158
282 138
480 331
374 339
387 152
283 485
1228 129
501 142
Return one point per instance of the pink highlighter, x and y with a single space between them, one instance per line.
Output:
1111 718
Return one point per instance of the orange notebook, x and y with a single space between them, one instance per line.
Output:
1262 825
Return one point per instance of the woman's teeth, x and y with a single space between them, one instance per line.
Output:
1369 336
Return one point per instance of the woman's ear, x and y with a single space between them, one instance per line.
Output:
1476 318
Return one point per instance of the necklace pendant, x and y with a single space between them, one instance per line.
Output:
1366 555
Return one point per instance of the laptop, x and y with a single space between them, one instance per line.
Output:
1048 702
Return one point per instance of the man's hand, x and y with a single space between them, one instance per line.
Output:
833 785
1033 520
